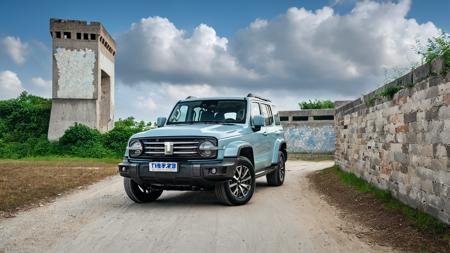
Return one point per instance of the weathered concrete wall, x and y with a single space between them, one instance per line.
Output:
75 73
403 144
69 111
309 131
83 75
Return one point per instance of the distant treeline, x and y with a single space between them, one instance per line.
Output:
24 126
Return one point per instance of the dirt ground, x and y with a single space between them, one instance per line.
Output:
384 226
26 184
290 218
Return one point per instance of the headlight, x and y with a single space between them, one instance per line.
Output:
135 148
207 149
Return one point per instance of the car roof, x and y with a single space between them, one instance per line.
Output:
225 98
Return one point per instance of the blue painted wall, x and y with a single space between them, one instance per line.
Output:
310 139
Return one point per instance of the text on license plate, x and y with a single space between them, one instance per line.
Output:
163 167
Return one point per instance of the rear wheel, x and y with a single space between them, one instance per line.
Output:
238 190
140 194
276 178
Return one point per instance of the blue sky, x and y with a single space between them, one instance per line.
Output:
275 48
29 19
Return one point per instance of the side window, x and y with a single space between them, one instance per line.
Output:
267 113
276 116
255 109
270 114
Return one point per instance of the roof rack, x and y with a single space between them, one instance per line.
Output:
250 95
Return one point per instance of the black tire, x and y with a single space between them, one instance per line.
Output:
138 193
234 192
276 178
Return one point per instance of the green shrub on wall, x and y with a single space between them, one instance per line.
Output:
316 104
437 47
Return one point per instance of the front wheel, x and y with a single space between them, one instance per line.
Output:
276 178
140 194
238 190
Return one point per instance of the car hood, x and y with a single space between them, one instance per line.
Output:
211 130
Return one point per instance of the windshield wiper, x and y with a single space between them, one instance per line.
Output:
218 122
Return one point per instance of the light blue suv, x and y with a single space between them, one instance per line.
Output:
220 143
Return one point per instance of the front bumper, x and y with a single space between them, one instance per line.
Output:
191 175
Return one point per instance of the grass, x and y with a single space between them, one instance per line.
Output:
32 181
310 157
420 219
68 158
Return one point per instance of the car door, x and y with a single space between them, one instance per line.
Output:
269 133
258 140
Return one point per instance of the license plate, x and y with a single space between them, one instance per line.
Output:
163 167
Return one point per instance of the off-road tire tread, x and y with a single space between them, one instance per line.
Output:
220 190
137 196
273 178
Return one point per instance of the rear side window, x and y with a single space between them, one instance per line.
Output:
276 115
267 113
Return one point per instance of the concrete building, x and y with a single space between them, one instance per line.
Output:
83 76
310 131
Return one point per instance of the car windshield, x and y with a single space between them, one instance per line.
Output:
208 111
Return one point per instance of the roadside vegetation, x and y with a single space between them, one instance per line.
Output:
35 170
389 221
435 48
24 126
316 104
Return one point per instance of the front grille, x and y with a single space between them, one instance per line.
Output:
182 147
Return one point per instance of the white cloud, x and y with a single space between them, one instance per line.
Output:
40 82
10 85
319 49
300 54
154 49
15 48
40 86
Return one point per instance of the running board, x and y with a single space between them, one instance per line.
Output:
266 171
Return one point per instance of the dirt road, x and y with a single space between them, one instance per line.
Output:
290 218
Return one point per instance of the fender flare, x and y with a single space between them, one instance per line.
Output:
277 147
233 149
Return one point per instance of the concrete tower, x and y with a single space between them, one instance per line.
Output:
83 76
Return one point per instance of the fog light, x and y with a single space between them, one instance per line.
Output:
124 168
213 171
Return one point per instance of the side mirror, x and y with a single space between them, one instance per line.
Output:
161 121
258 122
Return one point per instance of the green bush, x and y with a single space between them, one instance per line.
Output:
79 134
316 104
24 126
24 117
390 91
437 47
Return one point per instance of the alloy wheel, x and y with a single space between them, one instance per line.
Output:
241 183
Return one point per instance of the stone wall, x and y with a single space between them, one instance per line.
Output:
309 131
402 144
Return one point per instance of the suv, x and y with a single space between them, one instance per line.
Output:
220 144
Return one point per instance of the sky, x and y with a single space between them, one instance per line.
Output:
288 51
